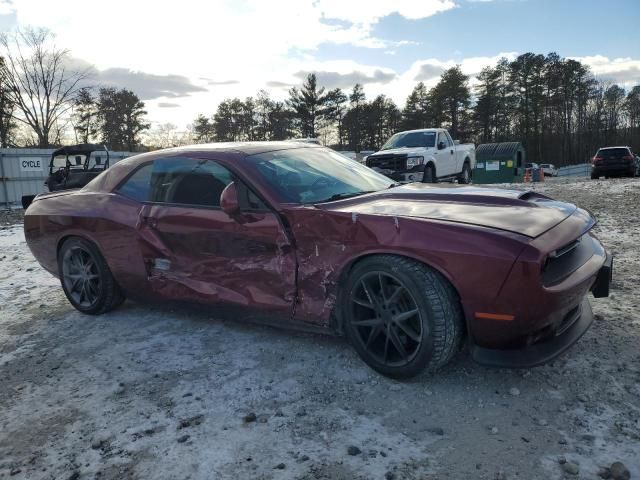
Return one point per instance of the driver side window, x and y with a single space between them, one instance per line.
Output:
187 181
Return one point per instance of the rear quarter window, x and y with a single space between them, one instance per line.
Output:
138 185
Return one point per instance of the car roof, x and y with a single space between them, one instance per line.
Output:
421 130
611 148
232 151
248 148
232 148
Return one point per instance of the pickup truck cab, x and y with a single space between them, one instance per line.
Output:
426 155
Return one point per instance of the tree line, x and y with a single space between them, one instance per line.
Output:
554 105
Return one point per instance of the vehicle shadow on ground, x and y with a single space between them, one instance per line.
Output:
210 319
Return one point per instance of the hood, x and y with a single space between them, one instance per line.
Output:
522 212
409 151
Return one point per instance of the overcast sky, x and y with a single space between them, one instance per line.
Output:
183 57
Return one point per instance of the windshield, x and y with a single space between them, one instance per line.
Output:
59 161
411 139
316 175
96 161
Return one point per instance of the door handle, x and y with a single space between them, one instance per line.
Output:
150 221
451 152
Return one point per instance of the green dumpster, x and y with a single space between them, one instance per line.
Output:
499 163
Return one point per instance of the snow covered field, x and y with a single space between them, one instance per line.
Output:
145 392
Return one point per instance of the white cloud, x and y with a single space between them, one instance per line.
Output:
624 71
153 36
200 52
6 7
252 41
370 11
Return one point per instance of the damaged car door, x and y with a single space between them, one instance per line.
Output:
194 250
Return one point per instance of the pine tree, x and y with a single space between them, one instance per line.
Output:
416 113
203 131
309 104
85 115
453 99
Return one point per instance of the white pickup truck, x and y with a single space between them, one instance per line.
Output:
426 155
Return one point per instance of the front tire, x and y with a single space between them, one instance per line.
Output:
86 279
401 316
429 174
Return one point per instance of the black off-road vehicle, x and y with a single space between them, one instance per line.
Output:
73 166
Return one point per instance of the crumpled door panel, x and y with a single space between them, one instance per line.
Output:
204 255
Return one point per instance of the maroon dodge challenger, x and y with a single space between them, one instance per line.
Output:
299 235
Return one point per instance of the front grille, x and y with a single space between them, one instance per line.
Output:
388 161
567 259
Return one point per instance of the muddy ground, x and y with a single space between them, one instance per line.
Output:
145 392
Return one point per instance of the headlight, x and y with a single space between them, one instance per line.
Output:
414 161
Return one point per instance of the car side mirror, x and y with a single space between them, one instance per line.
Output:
441 146
229 201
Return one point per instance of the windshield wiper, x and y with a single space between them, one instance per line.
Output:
342 196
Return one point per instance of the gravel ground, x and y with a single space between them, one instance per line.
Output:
146 392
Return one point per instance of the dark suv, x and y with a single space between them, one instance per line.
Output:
614 161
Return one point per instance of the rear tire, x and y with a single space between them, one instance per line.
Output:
86 279
465 177
401 316
429 174
27 200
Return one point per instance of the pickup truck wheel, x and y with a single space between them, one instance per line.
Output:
86 279
401 316
465 176
429 174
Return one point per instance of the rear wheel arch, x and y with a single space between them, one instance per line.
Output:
70 236
86 238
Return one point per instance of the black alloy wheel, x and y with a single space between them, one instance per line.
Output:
86 279
401 316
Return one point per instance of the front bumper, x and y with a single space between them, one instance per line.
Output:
615 169
561 337
538 353
416 174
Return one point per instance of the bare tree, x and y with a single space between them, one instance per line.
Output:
166 135
42 86
7 123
